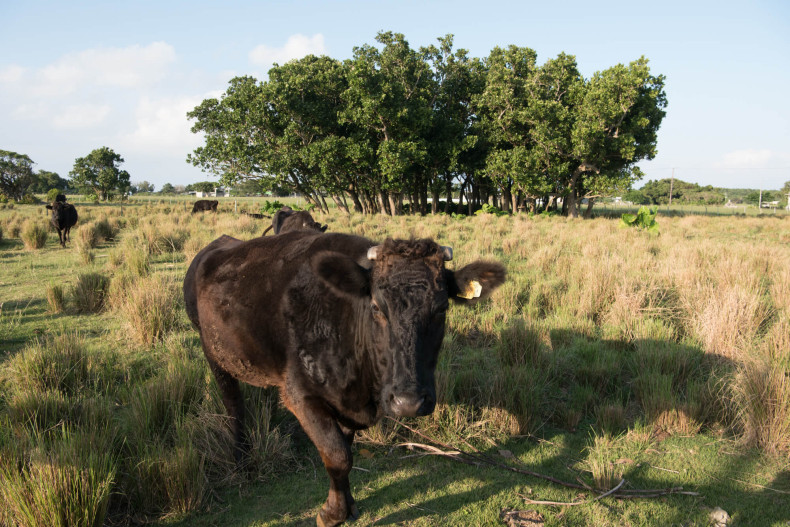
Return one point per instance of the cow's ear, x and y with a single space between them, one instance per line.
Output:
323 229
342 274
474 282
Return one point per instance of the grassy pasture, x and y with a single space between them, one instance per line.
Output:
608 354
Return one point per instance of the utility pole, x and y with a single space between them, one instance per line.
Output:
760 204
671 184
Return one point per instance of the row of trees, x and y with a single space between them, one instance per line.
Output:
683 193
394 123
97 174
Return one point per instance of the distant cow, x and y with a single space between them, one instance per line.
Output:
63 218
348 330
286 219
204 205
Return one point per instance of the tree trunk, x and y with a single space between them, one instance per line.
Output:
357 203
434 201
339 203
383 203
394 210
588 211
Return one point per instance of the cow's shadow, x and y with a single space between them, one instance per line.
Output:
385 499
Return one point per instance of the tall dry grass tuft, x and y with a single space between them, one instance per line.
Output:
34 235
87 236
729 319
761 399
55 298
150 307
89 293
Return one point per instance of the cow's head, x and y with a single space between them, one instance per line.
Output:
404 291
58 209
292 220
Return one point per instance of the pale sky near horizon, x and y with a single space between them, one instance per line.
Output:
78 75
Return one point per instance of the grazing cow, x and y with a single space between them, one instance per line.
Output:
286 219
204 205
64 217
349 331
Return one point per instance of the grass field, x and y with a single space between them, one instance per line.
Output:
608 355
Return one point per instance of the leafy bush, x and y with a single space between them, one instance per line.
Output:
29 199
52 194
490 209
645 219
270 207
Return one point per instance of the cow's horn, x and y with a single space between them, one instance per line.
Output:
373 252
448 253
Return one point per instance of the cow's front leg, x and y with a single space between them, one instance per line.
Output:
334 446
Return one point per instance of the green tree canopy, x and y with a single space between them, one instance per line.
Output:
44 181
167 188
395 123
99 172
16 174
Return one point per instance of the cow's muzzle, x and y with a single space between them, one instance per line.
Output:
407 405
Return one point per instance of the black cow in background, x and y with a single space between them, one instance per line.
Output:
286 219
205 205
64 217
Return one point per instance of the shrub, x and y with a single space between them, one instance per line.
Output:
89 292
34 235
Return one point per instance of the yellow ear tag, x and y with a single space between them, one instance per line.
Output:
473 290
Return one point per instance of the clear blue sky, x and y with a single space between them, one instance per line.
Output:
78 75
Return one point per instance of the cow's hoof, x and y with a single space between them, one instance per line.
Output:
321 522
353 514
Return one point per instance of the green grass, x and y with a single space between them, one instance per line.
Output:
663 360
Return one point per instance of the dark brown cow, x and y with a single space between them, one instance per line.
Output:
204 205
349 331
64 217
286 219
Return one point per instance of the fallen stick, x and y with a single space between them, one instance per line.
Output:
571 503
477 458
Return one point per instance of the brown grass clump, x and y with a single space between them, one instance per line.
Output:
89 292
34 235
55 298
150 307
87 237
761 395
